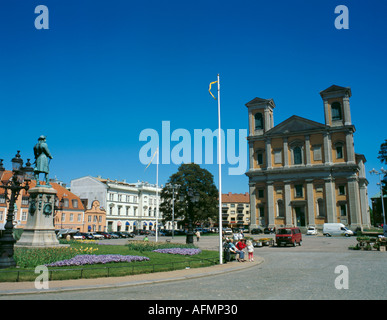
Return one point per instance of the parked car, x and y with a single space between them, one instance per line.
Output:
286 236
113 235
256 231
311 230
79 236
227 231
268 230
87 236
336 229
129 234
105 234
96 236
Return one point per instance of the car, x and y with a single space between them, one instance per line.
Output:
227 231
268 230
105 234
311 230
87 236
96 236
336 229
79 236
286 236
129 234
113 235
256 231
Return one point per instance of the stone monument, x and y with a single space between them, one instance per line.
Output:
40 230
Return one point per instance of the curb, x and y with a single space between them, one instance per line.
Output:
21 288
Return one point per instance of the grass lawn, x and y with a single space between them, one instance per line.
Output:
28 259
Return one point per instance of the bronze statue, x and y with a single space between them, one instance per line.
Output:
42 156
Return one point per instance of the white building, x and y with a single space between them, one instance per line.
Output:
129 206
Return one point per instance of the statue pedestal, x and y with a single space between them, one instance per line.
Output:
40 230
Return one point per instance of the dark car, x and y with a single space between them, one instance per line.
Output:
128 234
268 230
105 234
256 231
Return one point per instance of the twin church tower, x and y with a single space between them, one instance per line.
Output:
303 172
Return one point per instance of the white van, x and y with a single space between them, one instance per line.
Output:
336 229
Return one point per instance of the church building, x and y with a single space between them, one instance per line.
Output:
304 173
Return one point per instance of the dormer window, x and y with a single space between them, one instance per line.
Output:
258 121
336 111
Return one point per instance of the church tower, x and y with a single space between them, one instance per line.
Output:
336 106
260 116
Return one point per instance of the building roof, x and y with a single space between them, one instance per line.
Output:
236 198
61 191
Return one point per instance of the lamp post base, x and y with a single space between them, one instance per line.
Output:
6 253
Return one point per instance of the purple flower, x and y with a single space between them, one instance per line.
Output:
94 259
182 251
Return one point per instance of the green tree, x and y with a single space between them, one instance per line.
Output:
383 152
190 176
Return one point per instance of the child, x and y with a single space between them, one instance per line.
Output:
250 250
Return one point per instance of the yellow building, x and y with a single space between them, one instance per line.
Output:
303 172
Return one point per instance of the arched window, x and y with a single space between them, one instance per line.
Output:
297 155
336 111
258 121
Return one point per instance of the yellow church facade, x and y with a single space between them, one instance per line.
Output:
302 172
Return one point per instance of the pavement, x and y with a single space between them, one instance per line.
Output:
207 243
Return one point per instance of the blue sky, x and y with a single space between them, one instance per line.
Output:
106 70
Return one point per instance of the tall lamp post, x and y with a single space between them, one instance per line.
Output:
173 187
191 198
383 172
21 177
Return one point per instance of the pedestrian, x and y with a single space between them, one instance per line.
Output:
197 233
241 245
250 250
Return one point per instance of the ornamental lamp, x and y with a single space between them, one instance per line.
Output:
28 172
17 162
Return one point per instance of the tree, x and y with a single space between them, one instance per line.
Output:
383 152
199 180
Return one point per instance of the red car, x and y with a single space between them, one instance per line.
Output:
288 236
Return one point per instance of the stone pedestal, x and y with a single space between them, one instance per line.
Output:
40 230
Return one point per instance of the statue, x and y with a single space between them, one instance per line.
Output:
42 154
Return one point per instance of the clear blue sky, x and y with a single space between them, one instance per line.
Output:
106 70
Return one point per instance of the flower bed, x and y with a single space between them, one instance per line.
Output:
80 260
181 251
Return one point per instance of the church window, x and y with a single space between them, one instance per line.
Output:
336 111
258 121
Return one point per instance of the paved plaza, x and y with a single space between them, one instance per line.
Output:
291 273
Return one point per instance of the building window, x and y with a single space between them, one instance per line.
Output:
280 209
298 191
25 201
259 157
336 111
258 121
71 217
262 212
320 208
24 215
343 210
75 203
63 217
79 218
261 193
2 198
339 152
297 155
341 190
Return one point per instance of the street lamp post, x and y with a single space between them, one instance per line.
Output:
21 177
383 172
192 198
173 187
